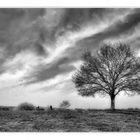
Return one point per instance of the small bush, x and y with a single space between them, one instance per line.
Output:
26 106
65 104
4 108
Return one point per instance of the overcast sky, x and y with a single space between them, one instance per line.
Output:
40 50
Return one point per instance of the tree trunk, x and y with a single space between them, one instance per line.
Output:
112 102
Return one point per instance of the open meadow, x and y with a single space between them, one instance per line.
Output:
66 120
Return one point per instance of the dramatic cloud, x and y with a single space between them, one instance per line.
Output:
40 49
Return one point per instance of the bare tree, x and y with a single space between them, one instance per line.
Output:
112 70
65 104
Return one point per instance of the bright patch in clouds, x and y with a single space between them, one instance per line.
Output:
20 65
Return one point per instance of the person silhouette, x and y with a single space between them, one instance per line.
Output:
51 108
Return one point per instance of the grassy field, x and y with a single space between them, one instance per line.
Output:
78 120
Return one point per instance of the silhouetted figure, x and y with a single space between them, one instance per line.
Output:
40 108
51 108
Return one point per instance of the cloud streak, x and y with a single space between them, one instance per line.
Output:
41 48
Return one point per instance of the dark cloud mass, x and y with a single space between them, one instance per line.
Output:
56 38
125 25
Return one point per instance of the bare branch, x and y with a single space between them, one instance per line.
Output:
112 70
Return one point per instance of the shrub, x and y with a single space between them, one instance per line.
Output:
26 106
4 108
65 104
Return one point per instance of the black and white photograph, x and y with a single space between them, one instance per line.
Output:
70 69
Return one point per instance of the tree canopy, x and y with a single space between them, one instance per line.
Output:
114 68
